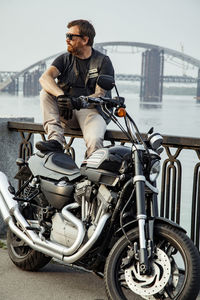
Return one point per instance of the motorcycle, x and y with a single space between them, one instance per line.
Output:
102 216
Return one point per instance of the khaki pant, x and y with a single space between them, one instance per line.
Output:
92 124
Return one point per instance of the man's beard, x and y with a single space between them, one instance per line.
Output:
74 50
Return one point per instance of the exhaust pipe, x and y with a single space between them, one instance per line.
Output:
79 225
10 204
9 208
4 210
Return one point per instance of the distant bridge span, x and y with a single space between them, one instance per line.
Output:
102 46
189 59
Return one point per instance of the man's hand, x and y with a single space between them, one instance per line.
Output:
66 105
80 102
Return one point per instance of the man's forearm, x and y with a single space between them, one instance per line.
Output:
50 86
99 92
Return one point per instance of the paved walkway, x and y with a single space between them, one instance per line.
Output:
53 282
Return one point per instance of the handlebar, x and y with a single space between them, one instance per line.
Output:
118 101
65 101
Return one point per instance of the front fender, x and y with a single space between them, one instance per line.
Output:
158 220
161 220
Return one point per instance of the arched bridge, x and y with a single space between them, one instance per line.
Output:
173 53
151 78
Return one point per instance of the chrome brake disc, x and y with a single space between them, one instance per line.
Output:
148 285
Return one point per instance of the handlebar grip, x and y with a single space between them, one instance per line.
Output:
118 101
94 100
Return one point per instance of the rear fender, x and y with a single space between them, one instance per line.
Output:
158 220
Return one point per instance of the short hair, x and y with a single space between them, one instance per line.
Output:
85 29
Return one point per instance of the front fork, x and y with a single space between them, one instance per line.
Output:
139 181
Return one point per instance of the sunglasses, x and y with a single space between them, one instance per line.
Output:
70 36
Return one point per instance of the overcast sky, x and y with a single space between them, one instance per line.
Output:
33 30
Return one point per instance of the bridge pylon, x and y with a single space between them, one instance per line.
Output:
151 87
31 85
13 87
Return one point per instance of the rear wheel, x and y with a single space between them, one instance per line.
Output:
174 268
23 256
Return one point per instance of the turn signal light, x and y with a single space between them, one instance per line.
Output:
121 112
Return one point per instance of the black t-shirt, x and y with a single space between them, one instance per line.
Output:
82 66
78 76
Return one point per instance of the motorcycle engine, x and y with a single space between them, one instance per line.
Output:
63 232
94 202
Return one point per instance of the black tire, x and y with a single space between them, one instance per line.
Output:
180 284
23 256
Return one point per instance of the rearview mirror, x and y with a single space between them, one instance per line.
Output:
106 82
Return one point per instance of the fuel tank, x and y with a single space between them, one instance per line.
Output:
105 164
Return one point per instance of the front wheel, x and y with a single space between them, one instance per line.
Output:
23 256
174 268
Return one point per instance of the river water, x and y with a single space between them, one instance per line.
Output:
176 115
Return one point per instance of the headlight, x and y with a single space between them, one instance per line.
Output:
155 170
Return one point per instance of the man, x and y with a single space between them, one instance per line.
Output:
74 74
